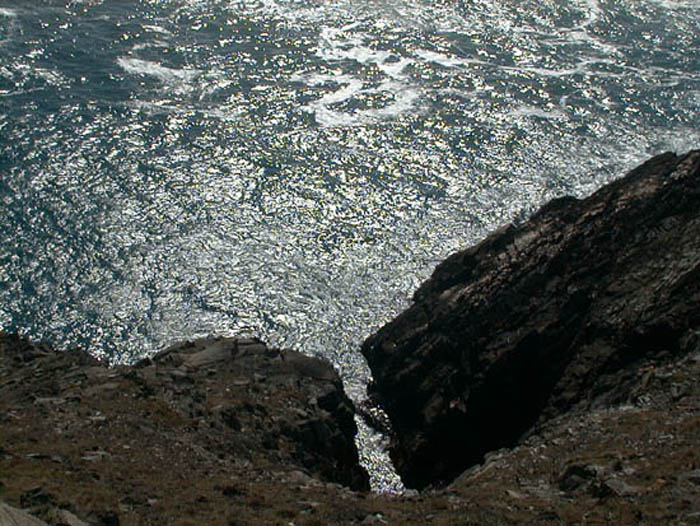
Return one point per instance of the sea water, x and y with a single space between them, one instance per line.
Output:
293 169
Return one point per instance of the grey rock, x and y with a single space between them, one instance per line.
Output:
579 475
10 516
246 399
374 519
619 487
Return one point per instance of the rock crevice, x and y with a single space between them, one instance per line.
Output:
540 318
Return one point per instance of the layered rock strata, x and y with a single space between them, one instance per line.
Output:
548 317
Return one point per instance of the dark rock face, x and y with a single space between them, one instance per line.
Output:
542 319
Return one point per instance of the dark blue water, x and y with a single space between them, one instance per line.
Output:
293 169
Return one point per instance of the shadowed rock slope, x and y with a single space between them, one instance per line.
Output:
550 317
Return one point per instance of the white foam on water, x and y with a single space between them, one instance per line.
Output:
453 62
11 15
53 78
325 116
414 14
394 68
670 75
593 13
582 36
162 108
405 14
544 72
177 78
405 99
154 108
156 29
293 11
677 4
146 45
339 45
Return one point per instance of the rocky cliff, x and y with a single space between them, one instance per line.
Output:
542 319
551 373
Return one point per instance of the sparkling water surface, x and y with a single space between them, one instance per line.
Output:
293 169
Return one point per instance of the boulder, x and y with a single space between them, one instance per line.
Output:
10 516
540 319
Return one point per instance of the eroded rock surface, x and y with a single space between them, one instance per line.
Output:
542 319
201 420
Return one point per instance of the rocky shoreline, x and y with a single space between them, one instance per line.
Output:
546 376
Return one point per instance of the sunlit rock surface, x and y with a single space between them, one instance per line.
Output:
203 417
542 318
